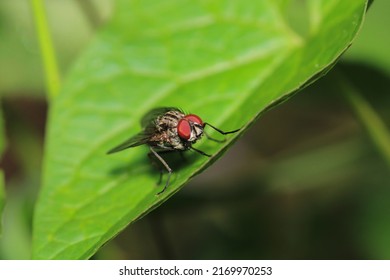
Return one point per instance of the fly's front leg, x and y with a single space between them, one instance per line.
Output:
220 131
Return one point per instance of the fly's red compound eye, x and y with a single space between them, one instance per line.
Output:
194 118
184 129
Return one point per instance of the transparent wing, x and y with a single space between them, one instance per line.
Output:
152 115
134 141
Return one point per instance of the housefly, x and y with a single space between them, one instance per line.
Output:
169 129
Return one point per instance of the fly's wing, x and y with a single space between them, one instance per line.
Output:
152 115
136 140
149 126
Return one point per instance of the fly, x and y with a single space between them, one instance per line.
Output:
169 129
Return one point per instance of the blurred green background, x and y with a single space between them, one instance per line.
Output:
314 188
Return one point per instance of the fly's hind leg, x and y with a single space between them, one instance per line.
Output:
165 164
160 169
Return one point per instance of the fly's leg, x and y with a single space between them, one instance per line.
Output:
158 166
166 167
213 139
220 131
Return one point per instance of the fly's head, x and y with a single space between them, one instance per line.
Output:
190 128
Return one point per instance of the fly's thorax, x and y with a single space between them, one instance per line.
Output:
175 143
167 140
169 120
166 136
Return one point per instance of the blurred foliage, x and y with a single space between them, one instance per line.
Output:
312 188
2 191
20 62
371 46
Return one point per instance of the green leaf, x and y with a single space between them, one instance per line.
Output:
2 184
227 61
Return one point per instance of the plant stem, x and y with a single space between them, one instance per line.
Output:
369 119
47 49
